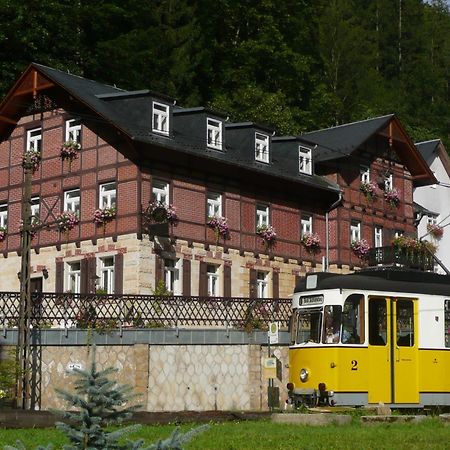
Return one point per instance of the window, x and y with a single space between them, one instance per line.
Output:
447 323
35 207
332 324
262 285
378 237
355 231
377 321
306 224
305 160
107 274
405 323
398 233
73 277
214 204
73 130
262 215
107 195
172 276
72 201
388 183
212 275
160 191
3 216
160 118
308 326
365 174
34 139
353 320
261 147
432 220
214 134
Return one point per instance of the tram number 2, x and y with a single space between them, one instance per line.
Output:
354 364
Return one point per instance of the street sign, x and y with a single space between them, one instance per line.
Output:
273 333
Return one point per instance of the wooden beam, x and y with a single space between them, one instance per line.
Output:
8 120
33 90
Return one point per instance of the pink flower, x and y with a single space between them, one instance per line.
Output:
392 196
105 215
67 221
360 248
311 242
3 233
160 212
69 150
34 156
268 235
220 227
435 230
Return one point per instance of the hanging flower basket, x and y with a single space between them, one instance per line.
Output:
159 212
3 233
66 221
104 216
311 242
369 189
34 158
268 235
69 151
392 196
220 227
360 248
435 230
413 245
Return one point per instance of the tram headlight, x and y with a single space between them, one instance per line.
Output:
304 375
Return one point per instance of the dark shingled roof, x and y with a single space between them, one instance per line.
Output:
131 112
428 149
341 141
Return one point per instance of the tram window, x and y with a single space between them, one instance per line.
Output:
309 324
377 322
405 323
332 324
353 320
447 323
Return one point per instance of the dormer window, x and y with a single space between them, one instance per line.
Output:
261 147
305 160
160 118
214 134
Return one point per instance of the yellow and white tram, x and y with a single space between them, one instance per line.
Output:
370 337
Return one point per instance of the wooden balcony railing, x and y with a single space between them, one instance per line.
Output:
401 257
142 311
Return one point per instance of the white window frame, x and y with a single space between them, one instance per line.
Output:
262 215
398 233
35 207
306 222
73 279
432 220
389 183
304 160
4 215
261 147
106 273
72 201
214 133
212 278
34 139
378 237
107 195
355 231
214 204
73 130
262 284
160 118
160 192
365 174
172 277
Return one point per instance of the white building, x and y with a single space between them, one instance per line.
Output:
435 199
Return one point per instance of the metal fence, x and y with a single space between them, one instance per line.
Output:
52 310
403 257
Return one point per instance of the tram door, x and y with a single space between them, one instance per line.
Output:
393 376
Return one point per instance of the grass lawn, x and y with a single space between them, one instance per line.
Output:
430 434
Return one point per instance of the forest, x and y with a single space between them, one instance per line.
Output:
295 65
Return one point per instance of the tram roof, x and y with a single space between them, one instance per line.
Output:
390 280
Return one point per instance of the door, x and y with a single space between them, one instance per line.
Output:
405 351
393 351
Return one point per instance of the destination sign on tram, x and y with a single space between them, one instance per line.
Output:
311 300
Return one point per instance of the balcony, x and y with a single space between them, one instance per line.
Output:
409 258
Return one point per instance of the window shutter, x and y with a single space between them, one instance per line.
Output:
252 283
203 280
84 282
186 277
118 274
275 285
226 280
59 276
159 270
